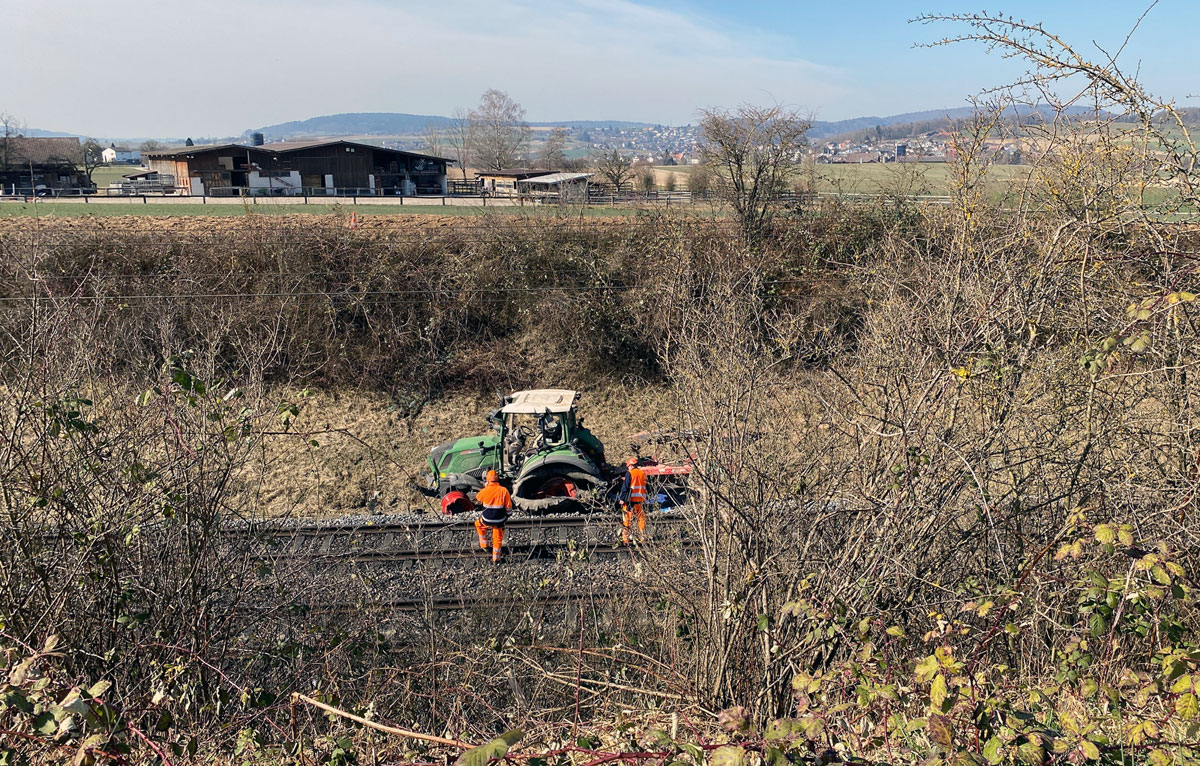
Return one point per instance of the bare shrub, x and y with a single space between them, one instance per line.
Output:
753 152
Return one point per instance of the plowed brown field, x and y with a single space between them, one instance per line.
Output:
207 225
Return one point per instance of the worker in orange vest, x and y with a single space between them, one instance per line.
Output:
496 502
633 498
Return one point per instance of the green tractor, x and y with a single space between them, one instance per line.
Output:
539 448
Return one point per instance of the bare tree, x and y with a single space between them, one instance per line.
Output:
754 152
460 138
1112 90
700 180
93 157
151 146
500 134
11 130
645 180
615 168
554 154
432 140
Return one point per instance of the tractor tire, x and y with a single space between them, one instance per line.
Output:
547 490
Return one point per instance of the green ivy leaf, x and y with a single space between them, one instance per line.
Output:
1160 575
1187 706
1031 751
476 756
1160 758
773 756
695 751
1089 750
44 723
729 755
497 748
99 688
783 728
927 668
993 750
937 691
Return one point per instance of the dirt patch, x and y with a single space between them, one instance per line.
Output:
209 226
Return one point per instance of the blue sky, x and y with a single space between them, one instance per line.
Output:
176 68
874 44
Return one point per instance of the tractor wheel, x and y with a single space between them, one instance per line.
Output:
551 490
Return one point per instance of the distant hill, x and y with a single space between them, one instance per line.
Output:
35 133
397 124
404 124
916 123
354 123
822 129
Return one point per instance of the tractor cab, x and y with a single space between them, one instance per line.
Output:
534 434
535 422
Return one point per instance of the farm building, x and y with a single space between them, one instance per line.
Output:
32 164
142 182
300 167
503 183
114 154
562 186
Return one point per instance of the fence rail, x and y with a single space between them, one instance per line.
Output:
595 198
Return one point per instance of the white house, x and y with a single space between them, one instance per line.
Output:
116 153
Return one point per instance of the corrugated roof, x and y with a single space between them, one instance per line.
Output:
291 146
285 147
518 173
182 150
539 401
558 178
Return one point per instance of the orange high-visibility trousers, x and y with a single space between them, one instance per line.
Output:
497 538
630 511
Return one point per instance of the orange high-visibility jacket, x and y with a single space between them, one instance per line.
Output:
496 502
634 489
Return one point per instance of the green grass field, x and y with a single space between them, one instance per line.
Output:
106 174
873 178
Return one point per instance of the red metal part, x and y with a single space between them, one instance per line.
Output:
667 470
456 502
558 487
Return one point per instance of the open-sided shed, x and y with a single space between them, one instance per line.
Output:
332 167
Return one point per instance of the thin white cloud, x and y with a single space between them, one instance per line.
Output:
169 68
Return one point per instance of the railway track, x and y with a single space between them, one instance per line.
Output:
325 529
533 552
458 603
526 538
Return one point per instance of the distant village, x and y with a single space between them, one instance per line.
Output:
663 145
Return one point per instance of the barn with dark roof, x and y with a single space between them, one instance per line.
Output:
311 168
29 164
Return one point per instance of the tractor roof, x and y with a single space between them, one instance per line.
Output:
541 400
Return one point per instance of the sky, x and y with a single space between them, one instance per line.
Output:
166 68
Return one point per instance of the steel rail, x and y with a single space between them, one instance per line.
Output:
530 552
323 529
459 603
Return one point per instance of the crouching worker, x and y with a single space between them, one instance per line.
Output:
633 499
496 504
